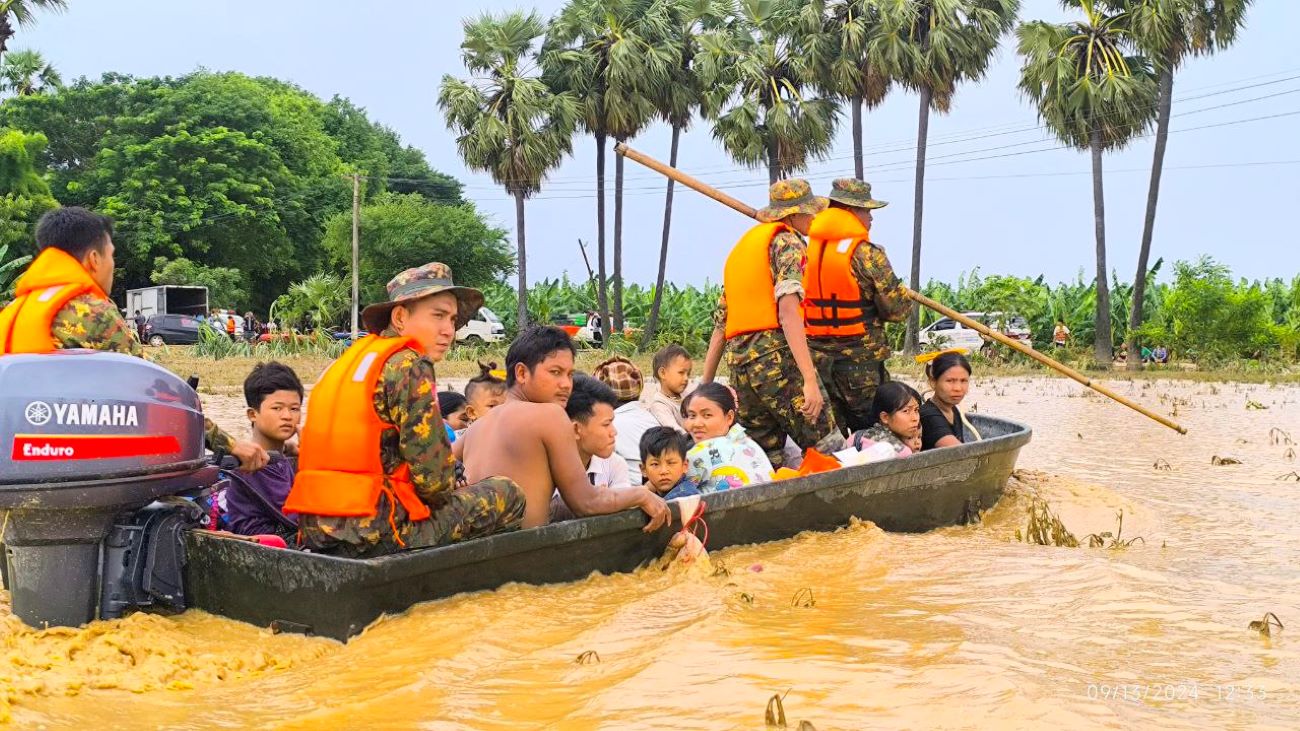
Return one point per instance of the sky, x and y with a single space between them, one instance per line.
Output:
999 195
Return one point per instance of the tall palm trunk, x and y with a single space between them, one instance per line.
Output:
1102 348
602 293
858 169
6 33
773 159
911 345
618 240
1149 225
652 324
523 261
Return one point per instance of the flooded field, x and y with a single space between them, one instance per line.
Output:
959 628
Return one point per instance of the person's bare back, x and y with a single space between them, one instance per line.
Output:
510 441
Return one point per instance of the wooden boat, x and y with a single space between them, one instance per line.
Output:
339 597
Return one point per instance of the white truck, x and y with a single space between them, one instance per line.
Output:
167 299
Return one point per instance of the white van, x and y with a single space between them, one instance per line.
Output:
947 333
484 327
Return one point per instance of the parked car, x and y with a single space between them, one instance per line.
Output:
484 327
171 330
948 333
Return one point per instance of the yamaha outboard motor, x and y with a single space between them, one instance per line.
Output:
88 439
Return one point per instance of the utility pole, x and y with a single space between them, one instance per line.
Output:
356 249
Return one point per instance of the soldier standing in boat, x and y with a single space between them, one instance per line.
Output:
759 323
61 303
375 467
850 292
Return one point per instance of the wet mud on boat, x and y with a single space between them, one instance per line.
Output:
338 597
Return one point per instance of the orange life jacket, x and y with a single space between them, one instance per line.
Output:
833 305
340 472
51 281
747 282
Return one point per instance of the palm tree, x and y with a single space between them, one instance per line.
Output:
1168 31
840 40
612 55
26 73
757 67
931 46
510 124
23 13
1093 97
678 99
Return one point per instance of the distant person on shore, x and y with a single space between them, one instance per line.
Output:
255 501
850 292
484 392
1060 335
631 418
375 467
672 367
140 320
759 322
724 457
1161 354
530 438
591 409
663 460
897 407
942 423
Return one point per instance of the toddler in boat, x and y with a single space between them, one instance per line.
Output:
454 410
724 457
672 368
663 460
483 393
897 408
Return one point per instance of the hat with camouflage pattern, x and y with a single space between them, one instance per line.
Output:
418 283
854 192
788 197
621 375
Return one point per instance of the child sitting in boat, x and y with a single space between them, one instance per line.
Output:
672 368
724 457
254 500
942 423
663 461
897 408
455 413
483 393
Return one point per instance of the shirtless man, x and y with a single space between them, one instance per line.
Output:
529 438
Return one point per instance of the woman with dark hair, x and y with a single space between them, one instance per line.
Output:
896 409
942 423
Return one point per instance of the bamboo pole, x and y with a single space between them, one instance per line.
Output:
917 297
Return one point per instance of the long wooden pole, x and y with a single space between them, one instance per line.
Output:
917 297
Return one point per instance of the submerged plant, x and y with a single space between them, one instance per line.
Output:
804 598
1252 405
1221 461
1265 626
775 715
588 657
1162 465
1278 436
1045 528
1113 541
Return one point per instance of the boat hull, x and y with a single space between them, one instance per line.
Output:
339 597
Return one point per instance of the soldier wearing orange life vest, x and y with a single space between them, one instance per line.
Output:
375 468
759 323
850 292
62 303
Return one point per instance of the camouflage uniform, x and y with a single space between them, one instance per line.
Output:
768 385
95 324
406 396
852 367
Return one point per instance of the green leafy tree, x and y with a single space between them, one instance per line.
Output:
226 287
679 98
510 123
10 268
612 55
932 46
841 39
22 13
1168 31
317 302
27 72
757 69
1209 317
1093 97
400 231
24 194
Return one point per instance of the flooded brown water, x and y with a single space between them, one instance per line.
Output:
958 628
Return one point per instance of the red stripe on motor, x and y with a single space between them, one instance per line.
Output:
43 448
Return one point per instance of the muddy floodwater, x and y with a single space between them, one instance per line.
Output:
958 628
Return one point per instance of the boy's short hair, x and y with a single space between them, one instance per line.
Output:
666 356
484 379
74 230
449 402
267 378
660 440
533 346
587 392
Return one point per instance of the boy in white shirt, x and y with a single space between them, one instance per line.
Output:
591 409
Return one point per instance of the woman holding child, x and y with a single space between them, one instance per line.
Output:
724 457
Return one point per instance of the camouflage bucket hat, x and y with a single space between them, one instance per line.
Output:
418 283
788 197
621 375
854 192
